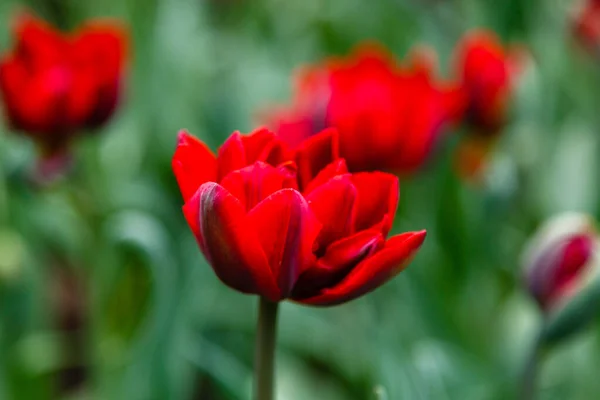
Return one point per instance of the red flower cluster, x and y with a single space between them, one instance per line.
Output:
287 222
54 85
389 116
587 26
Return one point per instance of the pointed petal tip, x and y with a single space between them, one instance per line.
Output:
415 239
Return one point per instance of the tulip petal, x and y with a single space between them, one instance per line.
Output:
231 245
254 183
333 203
371 211
340 257
193 164
315 153
373 271
264 145
287 231
231 155
240 150
338 167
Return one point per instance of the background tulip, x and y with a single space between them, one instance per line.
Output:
389 116
487 72
586 25
56 85
563 273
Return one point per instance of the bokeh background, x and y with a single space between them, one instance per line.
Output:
104 294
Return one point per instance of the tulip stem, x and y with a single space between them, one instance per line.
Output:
264 361
529 379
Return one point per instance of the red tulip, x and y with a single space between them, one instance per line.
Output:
54 85
587 26
562 273
560 259
487 73
389 117
291 223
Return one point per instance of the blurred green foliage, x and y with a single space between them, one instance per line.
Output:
152 320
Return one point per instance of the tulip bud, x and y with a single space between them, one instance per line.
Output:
562 273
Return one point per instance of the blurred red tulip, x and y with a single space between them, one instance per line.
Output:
54 85
560 258
487 73
291 222
562 273
389 116
587 26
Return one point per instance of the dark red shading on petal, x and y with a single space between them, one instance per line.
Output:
377 200
231 244
333 204
254 183
191 212
193 164
287 231
315 153
373 271
339 259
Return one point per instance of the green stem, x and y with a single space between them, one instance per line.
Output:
264 361
530 373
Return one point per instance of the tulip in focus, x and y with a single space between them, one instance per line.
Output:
56 85
487 74
291 223
389 116
562 273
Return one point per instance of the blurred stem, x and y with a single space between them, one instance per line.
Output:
264 361
530 372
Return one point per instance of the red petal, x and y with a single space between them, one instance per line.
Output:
41 105
287 230
263 145
315 153
193 164
341 257
102 47
231 155
241 150
254 183
372 272
82 98
38 44
336 168
232 247
333 204
376 201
